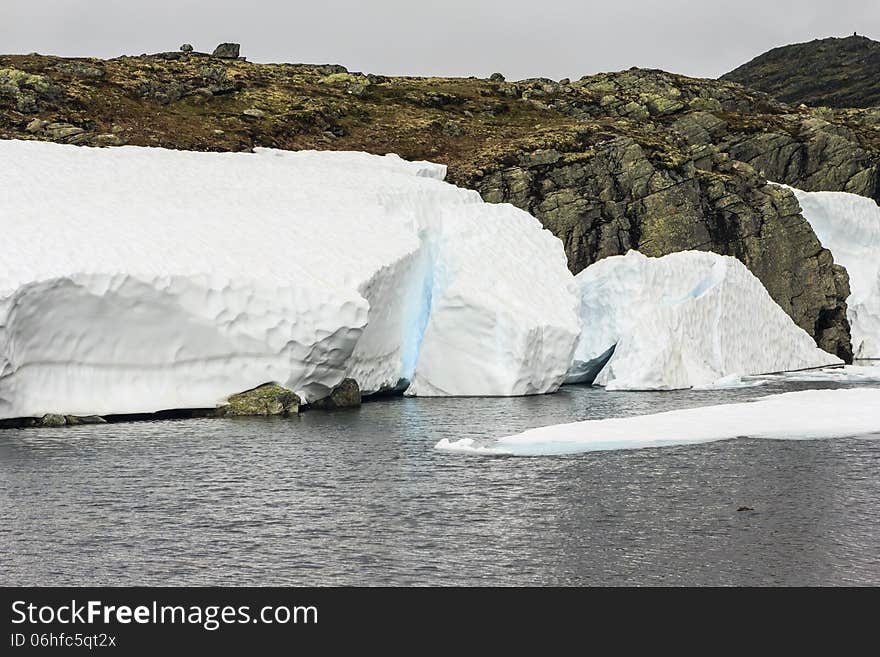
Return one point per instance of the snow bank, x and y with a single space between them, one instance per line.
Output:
849 226
135 280
687 319
810 414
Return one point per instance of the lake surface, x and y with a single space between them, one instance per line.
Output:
360 497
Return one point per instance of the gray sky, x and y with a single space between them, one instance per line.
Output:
520 38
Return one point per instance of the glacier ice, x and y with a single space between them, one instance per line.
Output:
809 414
135 280
684 320
486 334
848 225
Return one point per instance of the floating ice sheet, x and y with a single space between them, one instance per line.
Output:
809 414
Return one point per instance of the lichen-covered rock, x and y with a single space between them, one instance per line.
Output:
346 395
52 420
269 399
25 90
80 69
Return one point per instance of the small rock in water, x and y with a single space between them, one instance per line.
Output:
52 420
227 50
346 395
269 399
73 420
745 508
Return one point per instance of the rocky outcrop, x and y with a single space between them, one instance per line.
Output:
619 199
833 72
814 155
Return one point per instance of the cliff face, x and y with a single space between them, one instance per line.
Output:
637 159
832 72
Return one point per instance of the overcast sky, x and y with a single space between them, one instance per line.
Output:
520 38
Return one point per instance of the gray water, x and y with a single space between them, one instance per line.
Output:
360 497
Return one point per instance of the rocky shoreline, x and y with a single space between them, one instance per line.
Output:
264 401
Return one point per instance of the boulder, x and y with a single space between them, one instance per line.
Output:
186 47
346 395
269 399
52 420
227 51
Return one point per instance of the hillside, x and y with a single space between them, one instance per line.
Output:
831 72
638 159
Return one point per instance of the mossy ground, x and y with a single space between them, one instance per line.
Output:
475 126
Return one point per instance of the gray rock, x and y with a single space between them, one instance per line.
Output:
88 419
186 47
254 113
161 92
109 139
227 51
60 130
36 126
496 77
346 395
52 420
331 69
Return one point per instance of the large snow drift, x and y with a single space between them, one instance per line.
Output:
686 319
810 414
134 280
849 226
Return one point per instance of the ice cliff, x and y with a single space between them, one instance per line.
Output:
686 319
849 226
135 280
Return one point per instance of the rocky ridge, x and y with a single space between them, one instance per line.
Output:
833 72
